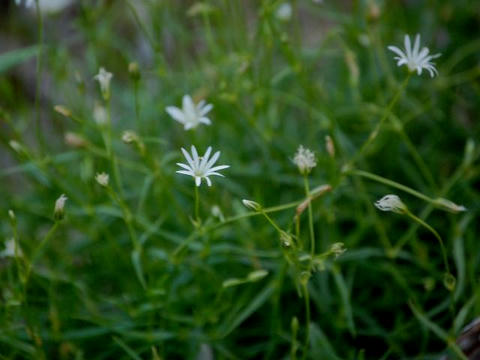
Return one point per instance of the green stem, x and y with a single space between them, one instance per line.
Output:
197 205
435 233
137 106
310 216
307 320
391 183
39 250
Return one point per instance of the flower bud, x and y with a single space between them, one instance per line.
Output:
391 203
329 146
75 140
252 204
59 211
134 71
338 249
62 110
448 205
102 179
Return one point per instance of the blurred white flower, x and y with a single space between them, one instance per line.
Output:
59 207
414 58
102 178
284 12
104 77
200 167
190 115
391 203
129 136
305 160
338 249
9 250
100 115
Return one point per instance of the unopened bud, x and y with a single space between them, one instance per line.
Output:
129 137
252 204
102 179
134 71
59 211
391 203
338 249
62 110
329 146
75 140
257 275
448 205
15 145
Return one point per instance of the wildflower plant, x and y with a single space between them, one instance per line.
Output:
291 254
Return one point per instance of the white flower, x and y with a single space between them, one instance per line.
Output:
391 203
251 204
28 3
59 207
304 159
10 247
415 58
284 12
201 166
338 249
190 115
129 136
100 115
103 77
102 179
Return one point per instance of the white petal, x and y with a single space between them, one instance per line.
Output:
206 109
220 167
209 182
205 120
198 180
214 173
185 172
189 159
176 113
212 160
185 166
205 157
188 106
416 47
196 160
408 46
397 51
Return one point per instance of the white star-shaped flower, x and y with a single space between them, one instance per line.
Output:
414 58
190 115
201 167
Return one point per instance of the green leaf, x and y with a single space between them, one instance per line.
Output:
15 57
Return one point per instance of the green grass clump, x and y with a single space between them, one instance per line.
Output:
286 256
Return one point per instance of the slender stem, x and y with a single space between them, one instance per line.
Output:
197 205
379 125
310 216
307 320
391 183
38 125
435 233
39 250
137 106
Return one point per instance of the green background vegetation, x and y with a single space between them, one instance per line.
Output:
274 85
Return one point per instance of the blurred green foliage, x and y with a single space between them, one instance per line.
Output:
274 85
